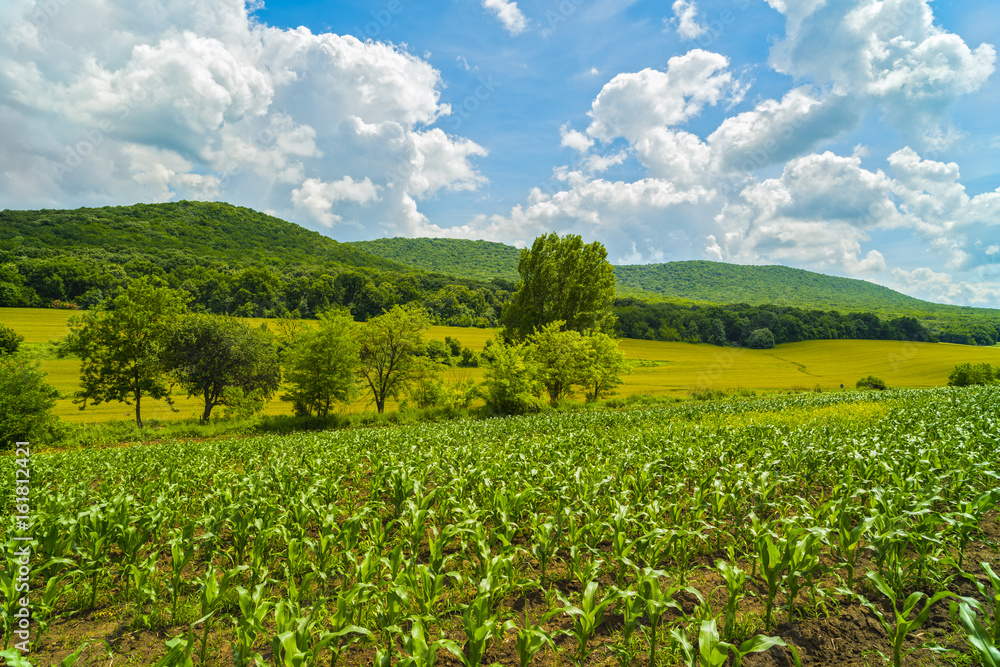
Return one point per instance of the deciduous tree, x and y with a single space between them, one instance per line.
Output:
321 364
210 355
389 345
562 280
121 345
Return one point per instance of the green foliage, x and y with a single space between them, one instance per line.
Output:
510 383
604 366
484 260
562 280
26 403
121 345
871 382
965 375
212 356
10 340
760 339
559 357
320 365
389 347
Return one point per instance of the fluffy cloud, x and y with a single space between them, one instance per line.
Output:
510 15
887 51
191 99
717 195
686 19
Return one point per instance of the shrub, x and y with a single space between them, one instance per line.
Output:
760 339
871 382
10 340
26 402
965 375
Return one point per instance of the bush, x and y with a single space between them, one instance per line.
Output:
965 375
871 382
26 402
10 340
760 339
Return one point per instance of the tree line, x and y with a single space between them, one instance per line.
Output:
765 326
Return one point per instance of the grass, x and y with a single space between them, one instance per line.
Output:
662 369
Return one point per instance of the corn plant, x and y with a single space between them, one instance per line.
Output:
530 640
846 541
182 550
901 624
772 561
249 624
802 559
712 651
481 624
992 607
343 629
735 579
586 617
179 651
978 637
656 602
545 540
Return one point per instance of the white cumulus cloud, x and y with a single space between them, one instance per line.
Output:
510 15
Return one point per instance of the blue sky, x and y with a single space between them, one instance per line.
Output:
850 137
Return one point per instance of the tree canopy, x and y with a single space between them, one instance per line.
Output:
320 365
210 355
390 344
562 279
121 344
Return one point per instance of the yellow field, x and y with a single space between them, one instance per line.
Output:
669 368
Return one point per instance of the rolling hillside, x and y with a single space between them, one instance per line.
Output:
695 281
202 229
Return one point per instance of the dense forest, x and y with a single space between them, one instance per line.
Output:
237 261
711 283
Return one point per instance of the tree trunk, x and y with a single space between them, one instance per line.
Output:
138 415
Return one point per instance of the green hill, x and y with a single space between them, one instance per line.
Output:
483 260
696 281
202 229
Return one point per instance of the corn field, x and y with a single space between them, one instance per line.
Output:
691 534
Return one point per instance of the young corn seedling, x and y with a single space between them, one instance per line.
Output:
349 605
530 641
481 626
632 609
735 579
656 602
802 555
182 550
249 624
772 563
991 609
978 637
586 617
712 651
902 623
213 589
420 653
846 542
179 651
544 546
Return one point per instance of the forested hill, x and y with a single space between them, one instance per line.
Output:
202 229
483 260
718 282
697 281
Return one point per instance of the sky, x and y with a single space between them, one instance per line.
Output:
857 138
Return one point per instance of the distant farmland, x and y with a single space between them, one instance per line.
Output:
673 369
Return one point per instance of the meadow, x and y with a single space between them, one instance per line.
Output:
694 533
662 369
